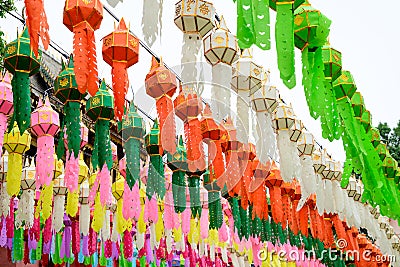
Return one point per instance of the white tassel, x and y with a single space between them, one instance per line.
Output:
84 219
329 204
114 3
168 240
242 117
201 249
308 181
152 21
235 261
190 50
212 252
4 201
153 241
25 213
224 255
289 160
337 193
114 233
220 91
266 141
58 213
105 230
241 261
320 195
140 240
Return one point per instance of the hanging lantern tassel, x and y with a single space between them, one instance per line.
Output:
4 200
284 32
98 214
288 156
215 210
37 24
58 213
16 51
152 23
45 203
26 209
194 193
84 219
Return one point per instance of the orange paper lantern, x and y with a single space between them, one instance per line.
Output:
120 51
257 189
36 20
83 17
161 85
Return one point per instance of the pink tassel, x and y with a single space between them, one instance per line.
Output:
3 128
153 209
93 190
105 186
223 233
136 201
168 211
131 202
71 172
44 160
204 224
185 216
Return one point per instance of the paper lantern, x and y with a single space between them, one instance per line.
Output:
332 63
83 18
220 46
187 107
59 187
284 117
357 101
220 50
59 167
319 161
20 61
389 166
295 131
266 99
177 163
16 144
132 135
45 125
338 171
28 181
306 143
352 187
59 191
366 120
84 213
161 85
194 16
375 137
381 149
6 104
120 51
257 190
26 207
344 85
329 169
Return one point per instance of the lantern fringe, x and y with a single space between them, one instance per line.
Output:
140 239
168 239
159 227
165 111
45 204
194 145
4 201
289 161
155 178
121 223
152 23
37 24
266 142
102 136
194 194
232 172
98 214
179 191
132 152
308 180
131 202
284 34
81 59
105 186
105 230
72 125
72 203
44 160
84 219
26 209
120 86
22 101
114 232
221 92
242 117
58 213
338 196
14 173
320 194
71 172
190 50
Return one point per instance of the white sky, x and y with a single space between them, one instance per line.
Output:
366 33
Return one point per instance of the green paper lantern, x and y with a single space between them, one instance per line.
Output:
344 86
65 87
311 27
389 166
295 4
376 137
155 179
357 102
366 120
100 108
332 59
381 149
132 128
178 164
397 177
22 63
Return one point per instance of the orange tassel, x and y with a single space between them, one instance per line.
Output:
92 76
120 87
328 233
313 221
37 24
233 171
194 146
243 193
81 56
285 208
165 110
259 201
276 204
294 222
302 216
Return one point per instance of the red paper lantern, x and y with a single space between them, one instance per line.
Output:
187 107
83 17
120 51
161 85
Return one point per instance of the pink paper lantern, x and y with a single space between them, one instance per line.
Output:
45 123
